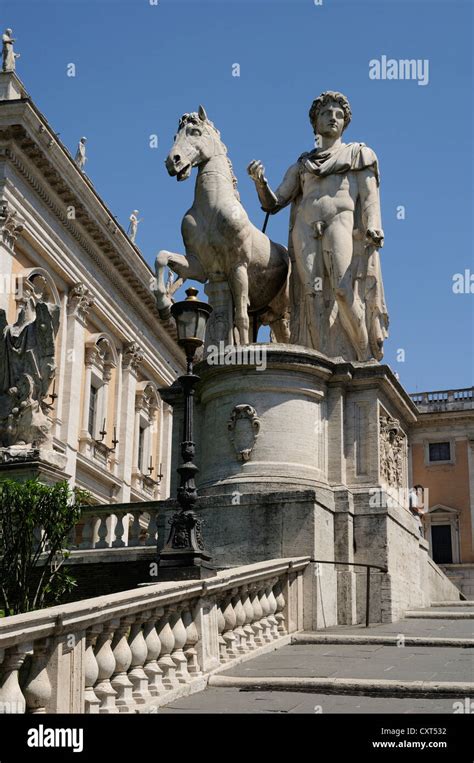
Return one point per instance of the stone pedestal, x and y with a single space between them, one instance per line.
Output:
11 87
296 419
24 463
300 454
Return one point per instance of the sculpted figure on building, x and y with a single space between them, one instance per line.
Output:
27 366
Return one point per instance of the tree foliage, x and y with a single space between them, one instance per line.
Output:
35 523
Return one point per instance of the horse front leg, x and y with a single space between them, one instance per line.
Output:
184 267
239 284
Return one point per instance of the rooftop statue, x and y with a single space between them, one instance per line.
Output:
81 157
133 225
8 55
337 298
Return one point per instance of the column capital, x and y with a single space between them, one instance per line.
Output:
11 225
132 356
79 301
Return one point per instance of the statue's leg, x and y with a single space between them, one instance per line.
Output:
309 265
338 251
278 315
185 266
239 284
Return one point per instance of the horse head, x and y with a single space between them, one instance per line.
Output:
194 143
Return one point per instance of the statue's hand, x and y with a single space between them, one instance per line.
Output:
375 236
256 171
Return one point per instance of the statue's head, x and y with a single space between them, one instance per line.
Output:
330 114
194 143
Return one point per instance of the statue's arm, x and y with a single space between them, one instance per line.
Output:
370 205
273 201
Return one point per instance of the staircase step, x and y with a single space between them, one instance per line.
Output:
441 615
354 686
322 638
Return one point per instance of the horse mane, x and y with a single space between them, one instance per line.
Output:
194 118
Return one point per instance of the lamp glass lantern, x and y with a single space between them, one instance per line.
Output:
191 317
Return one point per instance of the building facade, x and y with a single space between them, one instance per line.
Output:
64 257
442 462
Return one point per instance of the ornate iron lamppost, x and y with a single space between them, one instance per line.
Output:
184 555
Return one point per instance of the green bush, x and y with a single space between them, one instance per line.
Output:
35 523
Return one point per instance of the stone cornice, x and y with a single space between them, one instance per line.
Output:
26 132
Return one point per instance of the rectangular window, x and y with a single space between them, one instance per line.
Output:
440 451
92 410
141 447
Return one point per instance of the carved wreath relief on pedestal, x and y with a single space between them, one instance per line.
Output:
392 451
244 427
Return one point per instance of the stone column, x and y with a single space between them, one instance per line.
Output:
10 227
166 448
79 303
128 448
335 414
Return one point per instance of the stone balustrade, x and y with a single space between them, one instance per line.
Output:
111 527
444 400
132 651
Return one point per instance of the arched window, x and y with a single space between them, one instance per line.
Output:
100 359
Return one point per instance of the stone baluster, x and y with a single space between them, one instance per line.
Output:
267 636
192 637
230 622
102 533
221 628
72 542
11 696
106 662
91 671
273 608
239 632
165 661
153 643
137 675
37 689
152 530
134 530
123 659
38 537
257 626
119 531
179 633
279 614
87 531
249 617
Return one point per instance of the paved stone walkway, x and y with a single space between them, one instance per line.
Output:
355 661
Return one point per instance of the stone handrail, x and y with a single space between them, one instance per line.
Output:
132 651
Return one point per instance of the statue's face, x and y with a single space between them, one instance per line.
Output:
193 145
330 120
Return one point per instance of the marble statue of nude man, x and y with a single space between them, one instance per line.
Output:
335 234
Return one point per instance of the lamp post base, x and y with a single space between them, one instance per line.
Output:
184 565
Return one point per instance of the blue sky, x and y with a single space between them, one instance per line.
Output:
140 66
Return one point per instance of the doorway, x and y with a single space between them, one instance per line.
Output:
441 544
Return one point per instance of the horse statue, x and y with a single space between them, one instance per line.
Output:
220 241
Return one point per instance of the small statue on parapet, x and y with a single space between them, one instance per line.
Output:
8 54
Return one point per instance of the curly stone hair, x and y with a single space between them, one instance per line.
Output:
330 95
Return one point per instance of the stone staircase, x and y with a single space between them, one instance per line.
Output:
423 663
